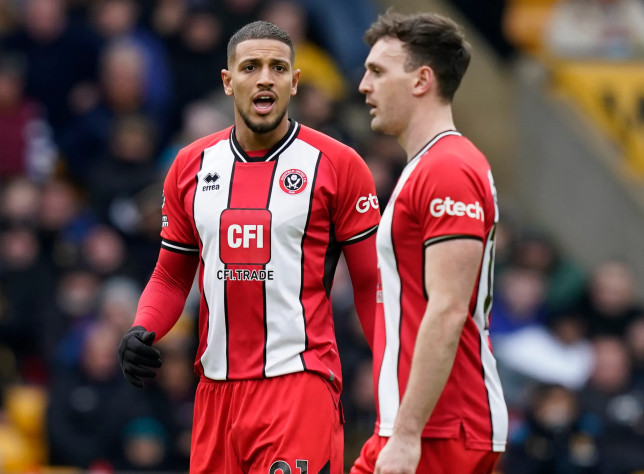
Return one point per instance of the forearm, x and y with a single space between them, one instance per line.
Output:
165 295
434 354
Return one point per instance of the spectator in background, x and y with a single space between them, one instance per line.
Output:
26 146
28 291
89 408
635 341
236 13
555 354
520 302
608 29
63 223
123 94
619 408
117 20
75 312
555 438
319 69
566 281
105 254
317 110
125 171
19 203
61 57
198 55
611 303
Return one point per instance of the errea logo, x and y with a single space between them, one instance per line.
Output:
364 203
440 207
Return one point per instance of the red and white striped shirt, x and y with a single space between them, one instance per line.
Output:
269 234
445 192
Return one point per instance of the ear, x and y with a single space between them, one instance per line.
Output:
227 79
295 82
424 81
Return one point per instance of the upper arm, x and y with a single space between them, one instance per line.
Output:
356 212
452 203
451 268
177 231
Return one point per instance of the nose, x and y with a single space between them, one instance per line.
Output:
364 86
265 78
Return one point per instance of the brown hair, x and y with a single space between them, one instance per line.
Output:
431 40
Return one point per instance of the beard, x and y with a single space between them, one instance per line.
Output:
262 128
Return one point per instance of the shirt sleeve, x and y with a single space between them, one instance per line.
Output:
450 200
357 213
177 228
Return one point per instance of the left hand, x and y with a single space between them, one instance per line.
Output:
399 456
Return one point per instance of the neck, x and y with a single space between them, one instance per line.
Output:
425 123
251 141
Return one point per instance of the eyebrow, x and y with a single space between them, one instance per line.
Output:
259 61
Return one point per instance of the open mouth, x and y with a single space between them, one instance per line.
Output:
264 104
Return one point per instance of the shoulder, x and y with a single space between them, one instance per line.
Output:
452 156
190 154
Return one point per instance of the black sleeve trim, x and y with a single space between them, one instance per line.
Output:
361 236
445 238
179 247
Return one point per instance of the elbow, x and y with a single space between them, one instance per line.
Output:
454 317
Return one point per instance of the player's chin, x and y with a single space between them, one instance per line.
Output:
377 125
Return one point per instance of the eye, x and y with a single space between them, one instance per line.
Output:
279 68
248 68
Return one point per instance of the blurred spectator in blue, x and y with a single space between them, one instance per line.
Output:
317 67
519 302
611 302
124 171
123 94
566 281
61 57
76 309
555 438
119 298
64 222
198 54
338 26
26 142
117 20
611 397
89 407
609 29
635 341
557 353
105 254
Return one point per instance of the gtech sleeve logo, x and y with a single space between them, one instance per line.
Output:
364 203
245 237
440 207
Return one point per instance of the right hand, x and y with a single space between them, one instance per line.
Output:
136 355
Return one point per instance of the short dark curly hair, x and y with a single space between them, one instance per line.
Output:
430 39
259 30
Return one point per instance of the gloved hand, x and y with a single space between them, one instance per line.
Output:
136 355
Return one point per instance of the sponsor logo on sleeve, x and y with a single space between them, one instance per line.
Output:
440 207
164 221
366 203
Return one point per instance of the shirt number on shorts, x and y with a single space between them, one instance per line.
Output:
301 465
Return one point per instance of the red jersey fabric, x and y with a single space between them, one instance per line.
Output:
268 235
445 192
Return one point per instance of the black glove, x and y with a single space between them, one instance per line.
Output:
136 354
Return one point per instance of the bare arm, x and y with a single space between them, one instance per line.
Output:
451 268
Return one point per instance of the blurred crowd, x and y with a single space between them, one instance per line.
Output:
96 98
